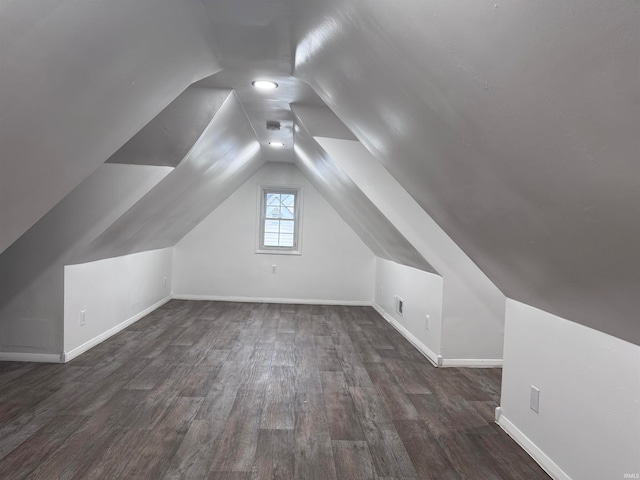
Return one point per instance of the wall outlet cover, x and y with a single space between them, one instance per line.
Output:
534 399
399 305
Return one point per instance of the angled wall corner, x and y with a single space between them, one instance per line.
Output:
31 269
167 138
588 420
134 200
223 157
473 307
74 91
375 230
532 169
219 258
401 270
103 297
421 294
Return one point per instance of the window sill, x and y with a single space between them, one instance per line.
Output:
267 251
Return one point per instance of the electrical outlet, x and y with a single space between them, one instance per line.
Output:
427 322
534 399
166 281
274 269
399 305
83 317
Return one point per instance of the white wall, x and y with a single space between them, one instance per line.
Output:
422 295
589 416
473 307
32 268
114 293
218 259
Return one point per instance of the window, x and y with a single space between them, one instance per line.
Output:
279 229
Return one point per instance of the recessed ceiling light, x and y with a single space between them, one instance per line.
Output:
276 144
264 84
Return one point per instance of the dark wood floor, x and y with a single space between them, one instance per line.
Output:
238 391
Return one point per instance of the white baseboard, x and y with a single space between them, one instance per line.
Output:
299 301
472 362
531 448
437 360
68 356
422 348
31 357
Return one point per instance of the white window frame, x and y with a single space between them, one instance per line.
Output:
297 190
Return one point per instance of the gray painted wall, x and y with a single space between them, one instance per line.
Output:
79 79
472 306
167 138
224 157
375 230
515 126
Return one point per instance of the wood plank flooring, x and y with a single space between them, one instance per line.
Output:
216 390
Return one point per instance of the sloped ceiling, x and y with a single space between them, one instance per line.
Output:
32 268
77 80
321 122
167 139
254 43
263 106
473 308
224 157
366 220
515 126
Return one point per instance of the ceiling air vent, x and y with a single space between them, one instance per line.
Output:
273 125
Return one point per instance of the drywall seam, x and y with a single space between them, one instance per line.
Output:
531 448
421 347
293 301
31 357
68 356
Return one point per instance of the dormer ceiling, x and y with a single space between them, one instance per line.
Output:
514 126
79 79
